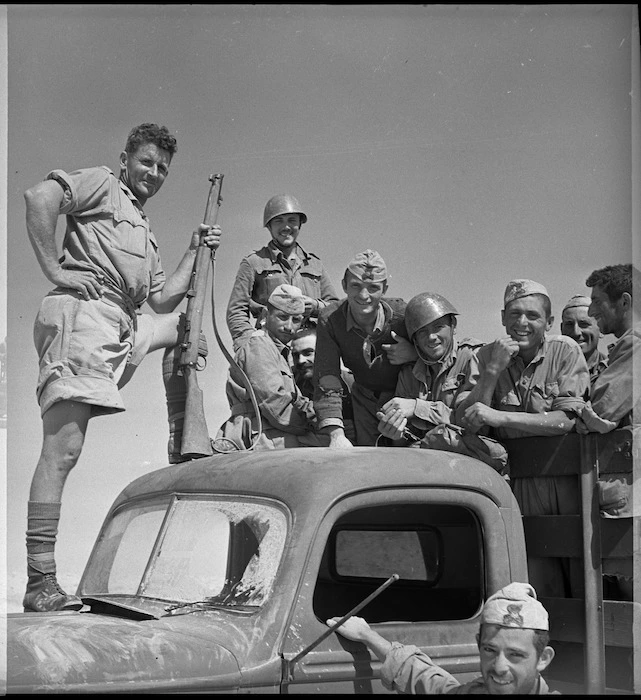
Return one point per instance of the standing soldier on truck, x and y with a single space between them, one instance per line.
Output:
89 334
281 261
526 384
366 332
513 642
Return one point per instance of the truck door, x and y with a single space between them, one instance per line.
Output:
447 546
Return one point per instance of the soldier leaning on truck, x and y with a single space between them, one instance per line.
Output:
425 390
288 418
513 642
613 392
281 261
88 332
365 332
526 384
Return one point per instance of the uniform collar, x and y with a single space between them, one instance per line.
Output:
421 369
129 194
275 252
595 359
540 354
383 312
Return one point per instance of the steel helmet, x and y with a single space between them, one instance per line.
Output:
282 204
425 308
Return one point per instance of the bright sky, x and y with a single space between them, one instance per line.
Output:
468 144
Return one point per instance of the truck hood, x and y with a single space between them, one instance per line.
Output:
85 652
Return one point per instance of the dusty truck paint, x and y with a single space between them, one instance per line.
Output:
67 651
211 575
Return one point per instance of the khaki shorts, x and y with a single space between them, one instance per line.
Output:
87 350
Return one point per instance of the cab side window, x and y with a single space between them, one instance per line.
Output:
435 550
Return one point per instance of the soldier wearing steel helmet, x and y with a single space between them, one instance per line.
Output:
425 391
281 261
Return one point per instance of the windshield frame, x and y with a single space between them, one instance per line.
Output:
170 502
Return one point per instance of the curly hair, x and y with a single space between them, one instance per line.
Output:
150 133
614 280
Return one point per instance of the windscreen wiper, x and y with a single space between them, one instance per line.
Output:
204 605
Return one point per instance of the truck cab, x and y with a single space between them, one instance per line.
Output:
218 575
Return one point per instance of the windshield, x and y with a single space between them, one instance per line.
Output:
187 549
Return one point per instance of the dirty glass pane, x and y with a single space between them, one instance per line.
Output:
134 549
380 553
227 552
123 550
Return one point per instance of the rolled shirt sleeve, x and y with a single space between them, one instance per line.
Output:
107 230
408 670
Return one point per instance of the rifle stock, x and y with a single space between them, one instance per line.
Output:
195 438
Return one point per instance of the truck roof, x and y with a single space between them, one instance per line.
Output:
301 476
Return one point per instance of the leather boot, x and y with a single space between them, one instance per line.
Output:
45 595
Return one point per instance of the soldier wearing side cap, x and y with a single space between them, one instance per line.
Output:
288 418
281 261
513 642
425 391
367 333
577 324
530 383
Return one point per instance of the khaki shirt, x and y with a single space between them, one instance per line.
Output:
260 273
107 231
613 391
265 361
435 386
557 379
409 671
597 362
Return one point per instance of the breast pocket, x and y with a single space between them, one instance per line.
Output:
542 396
266 282
311 283
123 233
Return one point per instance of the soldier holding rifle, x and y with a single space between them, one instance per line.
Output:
89 334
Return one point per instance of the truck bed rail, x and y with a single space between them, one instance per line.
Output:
594 634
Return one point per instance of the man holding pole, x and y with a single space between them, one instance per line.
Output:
513 648
89 334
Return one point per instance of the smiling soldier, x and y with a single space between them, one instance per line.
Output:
366 333
281 261
89 334
426 390
528 383
513 648
577 324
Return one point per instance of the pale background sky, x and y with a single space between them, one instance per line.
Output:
468 144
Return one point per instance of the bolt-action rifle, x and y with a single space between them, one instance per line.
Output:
195 439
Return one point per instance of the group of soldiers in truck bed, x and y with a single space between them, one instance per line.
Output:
367 369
